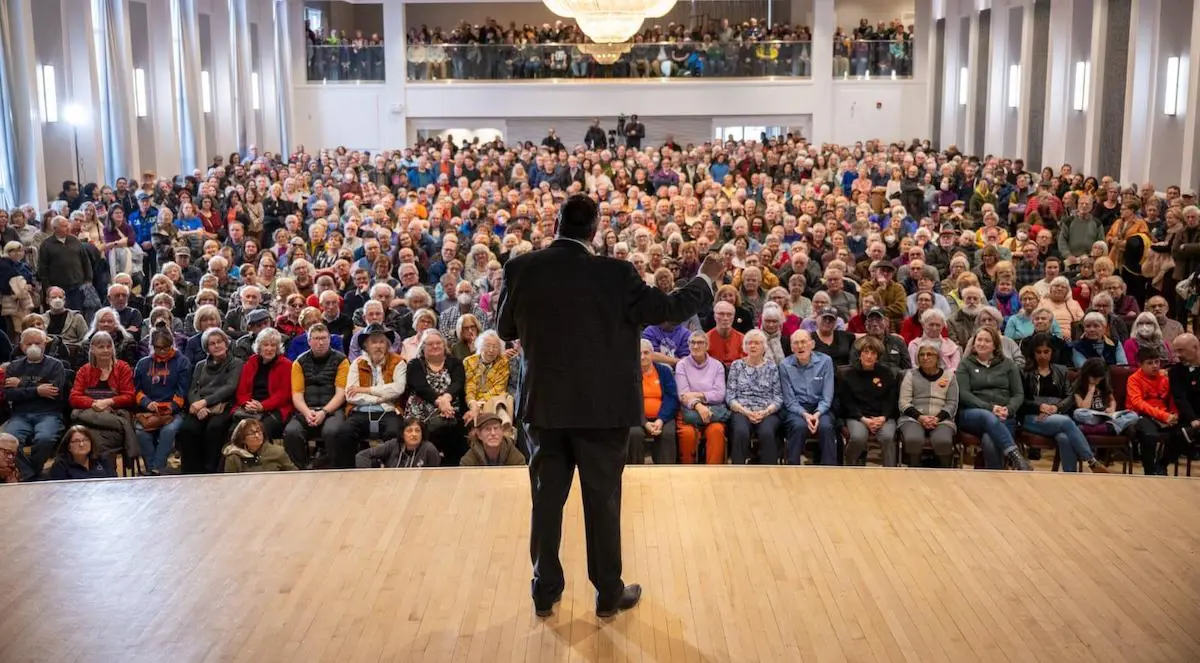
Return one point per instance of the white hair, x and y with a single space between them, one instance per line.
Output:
484 336
268 334
108 310
753 333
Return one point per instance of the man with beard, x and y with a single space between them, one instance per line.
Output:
965 321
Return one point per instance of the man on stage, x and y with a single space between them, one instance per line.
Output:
579 317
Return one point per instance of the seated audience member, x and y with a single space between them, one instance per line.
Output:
1093 342
257 321
79 457
895 349
670 342
160 316
249 451
466 330
10 448
249 298
1020 324
743 316
990 394
868 395
332 316
374 314
1049 401
1125 305
411 450
933 326
34 387
991 318
437 396
1159 307
1095 402
161 382
700 381
928 404
820 302
772 329
374 384
911 328
264 391
724 342
1148 393
660 403
1065 309
206 317
300 344
102 398
1147 334
1184 377
488 377
318 391
926 280
831 341
489 446
781 298
209 414
965 321
1115 326
807 381
61 322
129 317
106 320
288 322
754 398
423 319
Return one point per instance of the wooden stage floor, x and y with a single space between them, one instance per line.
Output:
738 564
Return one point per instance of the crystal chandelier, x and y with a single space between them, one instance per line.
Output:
605 53
609 21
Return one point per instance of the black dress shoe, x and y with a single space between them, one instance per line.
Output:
629 598
546 609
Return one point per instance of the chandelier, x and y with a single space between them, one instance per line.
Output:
609 21
605 54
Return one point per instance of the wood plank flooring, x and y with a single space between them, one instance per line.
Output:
738 564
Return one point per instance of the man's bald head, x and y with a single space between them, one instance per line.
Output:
1187 346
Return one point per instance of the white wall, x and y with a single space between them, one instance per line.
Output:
1081 49
328 116
1167 132
850 12
889 110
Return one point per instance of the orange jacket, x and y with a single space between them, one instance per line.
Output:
1149 396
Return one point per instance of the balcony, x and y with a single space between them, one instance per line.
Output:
865 59
656 60
345 63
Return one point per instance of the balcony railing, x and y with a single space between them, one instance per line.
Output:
861 58
651 60
345 63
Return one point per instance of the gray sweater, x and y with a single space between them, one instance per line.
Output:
215 383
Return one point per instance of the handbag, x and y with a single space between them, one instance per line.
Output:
720 415
152 421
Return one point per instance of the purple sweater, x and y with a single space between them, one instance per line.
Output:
708 378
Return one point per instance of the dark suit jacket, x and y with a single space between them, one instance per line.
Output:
579 318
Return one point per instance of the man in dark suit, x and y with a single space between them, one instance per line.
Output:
579 317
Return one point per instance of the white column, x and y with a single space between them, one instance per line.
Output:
223 111
1060 78
285 17
996 62
83 87
1097 82
162 79
114 60
29 185
242 114
185 37
1026 60
1191 109
394 100
947 133
824 24
1140 86
977 66
923 26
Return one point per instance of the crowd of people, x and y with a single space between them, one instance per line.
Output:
492 51
336 308
338 56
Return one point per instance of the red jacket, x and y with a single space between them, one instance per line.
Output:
279 382
120 379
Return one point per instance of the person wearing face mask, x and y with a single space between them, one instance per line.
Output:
35 387
68 325
465 304
1147 334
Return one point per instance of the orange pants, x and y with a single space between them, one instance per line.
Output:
689 439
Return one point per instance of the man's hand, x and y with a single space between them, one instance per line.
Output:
353 391
47 391
1196 423
1172 420
713 267
12 383
1000 411
813 420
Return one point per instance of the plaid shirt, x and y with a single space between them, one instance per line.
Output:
1029 274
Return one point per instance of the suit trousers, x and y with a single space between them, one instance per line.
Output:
600 455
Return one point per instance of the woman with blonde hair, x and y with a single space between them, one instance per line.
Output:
1065 309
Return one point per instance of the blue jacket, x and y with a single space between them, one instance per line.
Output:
143 226
670 394
167 381
807 389
299 345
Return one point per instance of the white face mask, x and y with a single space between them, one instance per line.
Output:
1145 330
1022 236
57 303
464 300
34 353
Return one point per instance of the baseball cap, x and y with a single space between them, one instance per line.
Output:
487 418
1189 193
883 264
829 312
875 312
949 229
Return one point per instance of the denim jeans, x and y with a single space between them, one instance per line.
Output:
996 435
740 430
797 435
39 430
1072 445
157 445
